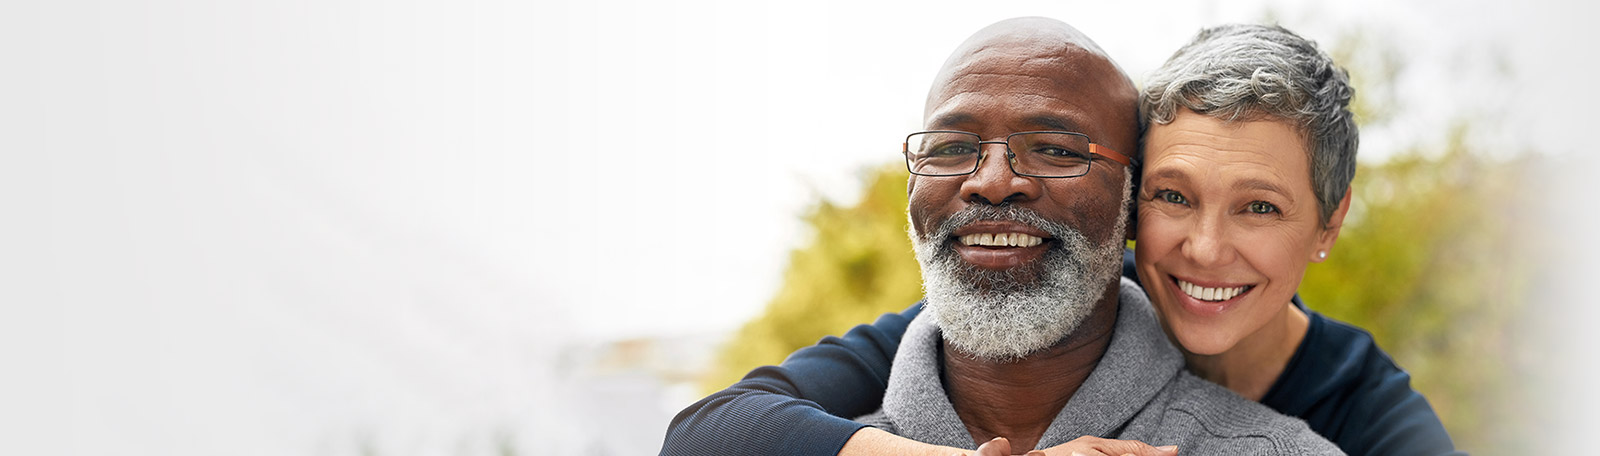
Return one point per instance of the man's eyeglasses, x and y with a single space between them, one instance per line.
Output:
1030 153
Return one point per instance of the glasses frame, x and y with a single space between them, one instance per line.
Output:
1011 156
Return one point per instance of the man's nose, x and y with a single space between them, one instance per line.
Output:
1207 243
994 183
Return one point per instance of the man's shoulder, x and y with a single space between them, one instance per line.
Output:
1204 418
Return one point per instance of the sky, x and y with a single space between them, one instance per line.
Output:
277 227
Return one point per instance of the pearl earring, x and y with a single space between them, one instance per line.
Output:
1322 254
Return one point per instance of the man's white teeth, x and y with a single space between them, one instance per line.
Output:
1210 294
1002 240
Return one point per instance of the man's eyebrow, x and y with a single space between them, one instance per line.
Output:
1042 122
1054 123
948 119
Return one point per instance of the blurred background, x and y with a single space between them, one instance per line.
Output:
355 227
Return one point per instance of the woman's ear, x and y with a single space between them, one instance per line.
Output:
1330 232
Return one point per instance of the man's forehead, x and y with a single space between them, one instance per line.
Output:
1042 67
1034 73
1054 60
953 116
1055 85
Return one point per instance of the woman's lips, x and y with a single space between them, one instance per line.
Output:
1208 298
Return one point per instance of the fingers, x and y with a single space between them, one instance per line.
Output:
1134 448
1095 446
999 446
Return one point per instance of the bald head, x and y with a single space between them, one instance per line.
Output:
1048 58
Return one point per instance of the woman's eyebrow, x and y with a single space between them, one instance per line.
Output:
1166 173
1259 184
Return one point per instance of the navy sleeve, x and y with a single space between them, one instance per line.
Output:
1350 391
1406 424
795 408
1129 269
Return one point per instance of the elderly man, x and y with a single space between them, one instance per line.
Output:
1019 203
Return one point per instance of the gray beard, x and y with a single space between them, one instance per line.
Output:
1004 316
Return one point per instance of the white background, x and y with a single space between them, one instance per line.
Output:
326 227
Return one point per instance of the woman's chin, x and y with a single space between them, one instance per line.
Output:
1203 344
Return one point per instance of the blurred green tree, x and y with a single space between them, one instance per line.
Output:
859 265
1432 267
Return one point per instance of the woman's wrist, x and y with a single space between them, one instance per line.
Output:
873 441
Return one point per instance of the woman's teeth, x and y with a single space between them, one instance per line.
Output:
1002 240
1210 294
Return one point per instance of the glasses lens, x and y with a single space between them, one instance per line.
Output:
942 154
1050 154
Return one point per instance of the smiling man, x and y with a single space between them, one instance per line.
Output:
1019 203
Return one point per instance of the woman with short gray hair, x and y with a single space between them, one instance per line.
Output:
1249 152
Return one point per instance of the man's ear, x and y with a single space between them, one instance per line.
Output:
1330 232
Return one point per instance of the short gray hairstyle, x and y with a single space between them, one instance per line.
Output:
1256 72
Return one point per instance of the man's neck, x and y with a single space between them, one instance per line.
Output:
1018 400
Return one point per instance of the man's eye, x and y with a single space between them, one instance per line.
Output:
1261 207
1171 197
1058 152
953 149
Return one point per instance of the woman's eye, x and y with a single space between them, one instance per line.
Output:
1171 197
1262 207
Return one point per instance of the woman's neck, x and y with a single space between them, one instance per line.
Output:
1254 363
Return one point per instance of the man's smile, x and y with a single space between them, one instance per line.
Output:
999 245
1001 240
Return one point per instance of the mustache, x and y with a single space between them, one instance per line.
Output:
1008 213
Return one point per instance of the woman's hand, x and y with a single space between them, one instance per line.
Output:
1094 446
874 441
1081 446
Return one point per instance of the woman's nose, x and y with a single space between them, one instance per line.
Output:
1207 244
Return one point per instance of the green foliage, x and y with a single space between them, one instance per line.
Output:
1431 266
859 265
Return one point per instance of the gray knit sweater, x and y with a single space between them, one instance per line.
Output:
1139 391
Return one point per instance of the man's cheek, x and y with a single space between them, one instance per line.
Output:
919 228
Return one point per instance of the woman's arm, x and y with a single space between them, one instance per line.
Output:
795 408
